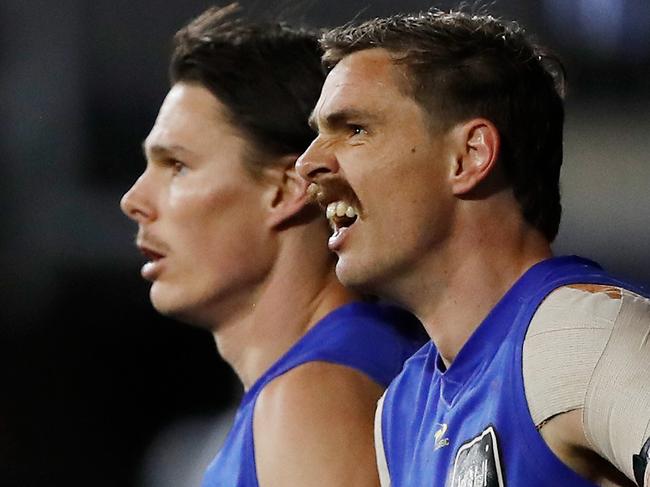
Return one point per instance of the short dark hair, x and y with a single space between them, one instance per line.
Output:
266 73
461 65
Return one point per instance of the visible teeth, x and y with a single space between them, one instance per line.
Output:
331 210
340 209
312 191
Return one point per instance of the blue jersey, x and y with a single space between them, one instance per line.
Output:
373 339
469 425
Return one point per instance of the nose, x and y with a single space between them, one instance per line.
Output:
317 161
136 202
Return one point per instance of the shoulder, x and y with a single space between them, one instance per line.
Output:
402 401
575 325
584 342
569 304
566 338
305 417
301 391
374 338
584 309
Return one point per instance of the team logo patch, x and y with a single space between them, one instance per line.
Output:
640 465
477 462
441 439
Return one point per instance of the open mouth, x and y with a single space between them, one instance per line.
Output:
153 267
341 214
150 255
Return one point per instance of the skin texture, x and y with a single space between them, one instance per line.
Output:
357 120
436 222
193 217
297 453
229 251
433 212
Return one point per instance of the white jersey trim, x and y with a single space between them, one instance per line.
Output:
382 464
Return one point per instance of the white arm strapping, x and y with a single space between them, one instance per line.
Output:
617 406
587 348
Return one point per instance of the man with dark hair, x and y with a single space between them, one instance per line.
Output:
438 160
233 245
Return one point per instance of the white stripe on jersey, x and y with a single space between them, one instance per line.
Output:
382 464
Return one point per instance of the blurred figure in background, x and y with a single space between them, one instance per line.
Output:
537 373
234 245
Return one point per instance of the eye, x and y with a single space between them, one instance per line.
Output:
177 166
357 130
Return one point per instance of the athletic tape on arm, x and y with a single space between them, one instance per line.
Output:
617 405
587 348
565 339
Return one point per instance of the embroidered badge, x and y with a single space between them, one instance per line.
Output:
441 439
640 465
477 462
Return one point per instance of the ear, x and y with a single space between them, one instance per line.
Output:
287 192
478 150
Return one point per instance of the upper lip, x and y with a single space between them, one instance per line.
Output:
149 251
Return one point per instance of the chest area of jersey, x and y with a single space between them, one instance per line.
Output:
474 461
459 448
459 433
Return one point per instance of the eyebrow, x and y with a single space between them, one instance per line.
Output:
162 151
339 116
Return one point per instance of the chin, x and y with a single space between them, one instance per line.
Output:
367 277
353 276
173 304
179 313
164 307
167 303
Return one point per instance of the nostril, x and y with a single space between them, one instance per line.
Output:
317 171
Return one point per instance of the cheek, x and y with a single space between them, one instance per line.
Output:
201 206
203 217
231 222
411 202
222 244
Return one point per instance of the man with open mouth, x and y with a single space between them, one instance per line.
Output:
437 164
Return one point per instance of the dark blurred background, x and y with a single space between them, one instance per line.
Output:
96 388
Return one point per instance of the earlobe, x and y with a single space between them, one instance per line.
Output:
479 148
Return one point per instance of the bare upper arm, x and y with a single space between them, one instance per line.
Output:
314 426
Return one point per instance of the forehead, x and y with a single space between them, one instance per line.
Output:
191 117
362 79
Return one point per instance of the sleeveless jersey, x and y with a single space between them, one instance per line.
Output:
469 425
371 338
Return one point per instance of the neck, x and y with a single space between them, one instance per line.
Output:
454 288
468 294
297 294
